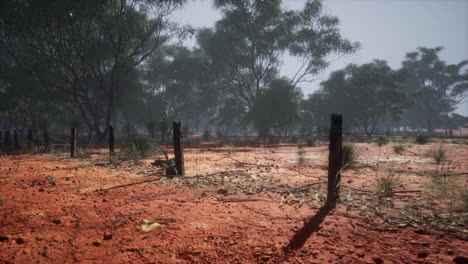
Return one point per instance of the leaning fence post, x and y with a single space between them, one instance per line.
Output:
111 141
73 142
334 160
178 149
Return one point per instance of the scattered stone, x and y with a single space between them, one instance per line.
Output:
97 244
423 254
57 221
377 260
460 260
420 231
41 190
222 191
108 237
4 238
361 255
450 252
19 241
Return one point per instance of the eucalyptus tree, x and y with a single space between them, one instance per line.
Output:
277 108
248 44
88 51
364 94
434 87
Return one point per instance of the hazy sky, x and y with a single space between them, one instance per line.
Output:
386 29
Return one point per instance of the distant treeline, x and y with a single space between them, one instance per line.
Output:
89 64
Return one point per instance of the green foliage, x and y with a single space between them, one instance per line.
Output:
399 148
382 140
312 142
434 87
301 154
422 139
365 93
439 155
138 147
276 107
348 157
386 183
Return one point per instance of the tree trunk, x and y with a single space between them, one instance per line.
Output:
111 141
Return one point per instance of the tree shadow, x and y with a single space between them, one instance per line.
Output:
310 227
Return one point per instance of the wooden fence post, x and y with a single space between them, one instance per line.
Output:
334 160
30 138
111 141
16 140
73 142
178 149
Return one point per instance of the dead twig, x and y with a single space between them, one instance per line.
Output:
240 200
126 185
215 173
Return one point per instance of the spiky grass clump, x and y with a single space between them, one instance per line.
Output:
348 155
399 148
138 147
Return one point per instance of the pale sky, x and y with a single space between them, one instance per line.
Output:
386 29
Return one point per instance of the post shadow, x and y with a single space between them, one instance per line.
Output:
310 227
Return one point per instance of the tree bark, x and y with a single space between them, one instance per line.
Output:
16 140
30 138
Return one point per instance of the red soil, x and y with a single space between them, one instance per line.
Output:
54 209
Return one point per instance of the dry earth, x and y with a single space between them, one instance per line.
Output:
236 205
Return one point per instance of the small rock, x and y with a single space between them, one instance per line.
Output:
108 237
97 244
450 252
420 231
361 255
377 260
222 191
3 238
19 241
423 254
460 260
57 221
41 190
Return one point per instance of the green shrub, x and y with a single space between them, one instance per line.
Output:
348 155
382 140
138 147
386 183
311 142
422 139
300 155
439 155
399 148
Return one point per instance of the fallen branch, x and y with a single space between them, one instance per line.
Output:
248 164
126 185
215 173
240 200
369 191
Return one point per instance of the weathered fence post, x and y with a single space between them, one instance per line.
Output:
334 160
111 141
178 149
16 140
30 138
73 142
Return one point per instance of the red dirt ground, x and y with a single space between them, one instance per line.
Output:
236 205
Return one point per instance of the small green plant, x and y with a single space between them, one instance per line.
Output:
381 140
439 155
230 149
348 155
386 183
311 142
301 155
422 139
206 135
399 148
138 147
